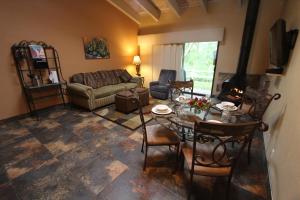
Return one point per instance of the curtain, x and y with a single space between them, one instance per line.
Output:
168 56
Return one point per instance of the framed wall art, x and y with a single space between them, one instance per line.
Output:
96 48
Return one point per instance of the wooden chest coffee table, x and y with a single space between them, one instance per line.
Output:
124 103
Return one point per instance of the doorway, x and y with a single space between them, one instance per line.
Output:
199 64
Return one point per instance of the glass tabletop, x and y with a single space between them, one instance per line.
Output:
185 116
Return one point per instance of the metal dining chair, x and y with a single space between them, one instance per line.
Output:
256 105
156 135
209 154
179 88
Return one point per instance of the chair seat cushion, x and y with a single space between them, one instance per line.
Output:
187 151
160 135
160 88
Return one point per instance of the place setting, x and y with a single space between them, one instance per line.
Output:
226 105
161 109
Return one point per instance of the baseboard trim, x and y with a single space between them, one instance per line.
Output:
28 114
270 192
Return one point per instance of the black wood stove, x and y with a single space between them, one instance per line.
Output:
233 88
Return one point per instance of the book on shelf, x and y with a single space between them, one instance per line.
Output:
38 56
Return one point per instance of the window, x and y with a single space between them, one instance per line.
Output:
199 64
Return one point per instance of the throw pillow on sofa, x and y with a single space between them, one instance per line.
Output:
125 76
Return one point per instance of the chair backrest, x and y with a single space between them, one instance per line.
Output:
213 140
166 76
258 104
179 87
136 100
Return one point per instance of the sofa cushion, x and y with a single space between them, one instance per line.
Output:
128 86
125 76
100 78
77 78
117 73
93 79
112 79
108 90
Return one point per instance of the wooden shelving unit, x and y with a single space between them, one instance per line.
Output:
26 70
274 75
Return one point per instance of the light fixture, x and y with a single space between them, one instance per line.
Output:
137 62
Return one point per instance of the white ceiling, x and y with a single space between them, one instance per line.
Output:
163 6
139 9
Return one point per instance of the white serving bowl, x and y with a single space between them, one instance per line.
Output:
161 108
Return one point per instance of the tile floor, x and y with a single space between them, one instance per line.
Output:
73 154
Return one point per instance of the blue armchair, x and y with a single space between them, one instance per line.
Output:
160 89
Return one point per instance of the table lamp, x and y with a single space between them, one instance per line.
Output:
137 62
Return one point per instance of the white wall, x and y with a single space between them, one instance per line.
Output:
283 116
229 15
148 42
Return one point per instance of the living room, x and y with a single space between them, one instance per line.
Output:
90 148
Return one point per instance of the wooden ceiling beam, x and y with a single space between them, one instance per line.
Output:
242 2
173 5
149 8
204 4
126 9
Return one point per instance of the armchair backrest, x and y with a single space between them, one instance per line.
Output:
167 75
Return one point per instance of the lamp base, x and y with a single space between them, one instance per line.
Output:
137 68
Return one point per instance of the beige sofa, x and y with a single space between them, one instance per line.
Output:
95 89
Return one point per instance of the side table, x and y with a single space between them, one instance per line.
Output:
142 80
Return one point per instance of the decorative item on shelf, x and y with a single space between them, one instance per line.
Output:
38 56
53 77
137 62
36 79
96 48
200 104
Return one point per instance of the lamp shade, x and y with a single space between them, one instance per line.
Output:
137 60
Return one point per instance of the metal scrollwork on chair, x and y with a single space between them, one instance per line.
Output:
210 155
178 88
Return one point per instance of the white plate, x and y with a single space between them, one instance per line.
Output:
182 99
222 107
214 121
227 103
167 112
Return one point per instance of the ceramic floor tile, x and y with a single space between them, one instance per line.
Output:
101 173
73 154
13 135
21 150
50 182
7 192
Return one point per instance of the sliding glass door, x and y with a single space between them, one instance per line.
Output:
199 63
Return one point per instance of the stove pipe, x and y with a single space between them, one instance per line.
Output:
239 78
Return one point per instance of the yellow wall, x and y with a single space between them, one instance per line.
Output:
230 15
283 139
61 23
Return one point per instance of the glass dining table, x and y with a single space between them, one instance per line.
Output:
183 117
